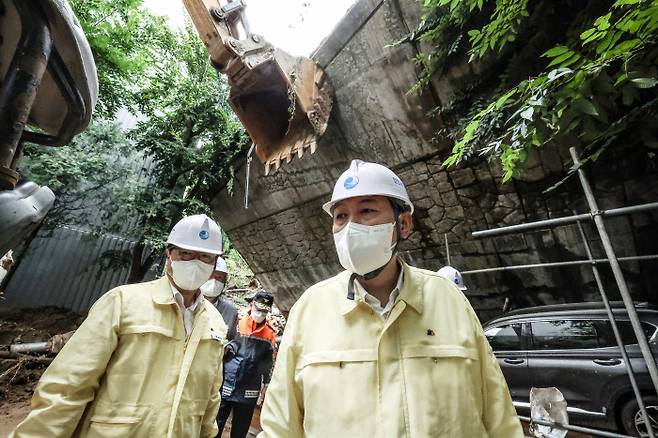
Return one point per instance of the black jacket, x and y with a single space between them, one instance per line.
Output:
230 314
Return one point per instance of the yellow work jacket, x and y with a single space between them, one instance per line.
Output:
425 371
130 371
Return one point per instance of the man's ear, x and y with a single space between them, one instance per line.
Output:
406 224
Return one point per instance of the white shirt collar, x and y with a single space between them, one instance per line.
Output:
373 302
187 312
181 302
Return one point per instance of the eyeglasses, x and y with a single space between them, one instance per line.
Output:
187 255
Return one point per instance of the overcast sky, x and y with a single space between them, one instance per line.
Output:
296 26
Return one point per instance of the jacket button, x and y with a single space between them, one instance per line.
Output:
436 360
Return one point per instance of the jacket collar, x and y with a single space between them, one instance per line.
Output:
411 291
412 288
162 291
162 294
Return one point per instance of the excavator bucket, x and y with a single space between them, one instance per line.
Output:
286 109
284 102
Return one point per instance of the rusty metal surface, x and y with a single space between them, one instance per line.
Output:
284 102
19 89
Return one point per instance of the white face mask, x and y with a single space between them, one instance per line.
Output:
190 275
212 288
364 248
258 315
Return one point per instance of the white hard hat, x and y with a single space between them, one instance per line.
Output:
197 233
368 179
220 265
453 275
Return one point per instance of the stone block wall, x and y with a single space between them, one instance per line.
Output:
285 237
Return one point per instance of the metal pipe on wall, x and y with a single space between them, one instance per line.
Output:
548 223
558 264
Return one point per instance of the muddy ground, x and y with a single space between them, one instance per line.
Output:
18 376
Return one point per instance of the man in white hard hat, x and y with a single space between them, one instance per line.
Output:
383 349
145 360
213 288
453 275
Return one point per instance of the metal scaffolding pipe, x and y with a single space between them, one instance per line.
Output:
617 272
572 428
615 330
558 264
548 223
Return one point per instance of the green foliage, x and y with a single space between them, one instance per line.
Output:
124 40
85 175
141 182
596 79
191 135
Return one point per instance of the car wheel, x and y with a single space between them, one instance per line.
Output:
631 417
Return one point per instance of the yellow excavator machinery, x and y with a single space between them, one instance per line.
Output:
284 102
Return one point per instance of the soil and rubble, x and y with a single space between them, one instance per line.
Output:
19 373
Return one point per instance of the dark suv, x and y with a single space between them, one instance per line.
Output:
572 347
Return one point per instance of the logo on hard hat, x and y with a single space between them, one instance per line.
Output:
397 181
203 234
351 182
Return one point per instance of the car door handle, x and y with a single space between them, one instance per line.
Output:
607 362
514 361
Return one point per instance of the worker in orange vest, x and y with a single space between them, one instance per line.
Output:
248 366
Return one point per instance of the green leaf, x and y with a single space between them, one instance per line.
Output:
560 59
622 77
558 73
473 33
645 82
619 3
603 23
555 51
469 132
588 33
502 99
585 106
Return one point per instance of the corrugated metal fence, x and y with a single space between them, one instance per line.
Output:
62 268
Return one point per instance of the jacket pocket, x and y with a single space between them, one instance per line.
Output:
449 389
336 357
145 329
340 385
101 426
439 351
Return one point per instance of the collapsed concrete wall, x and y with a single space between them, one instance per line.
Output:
285 236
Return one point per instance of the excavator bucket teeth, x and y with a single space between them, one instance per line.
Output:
284 106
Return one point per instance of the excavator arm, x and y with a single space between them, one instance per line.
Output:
284 102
